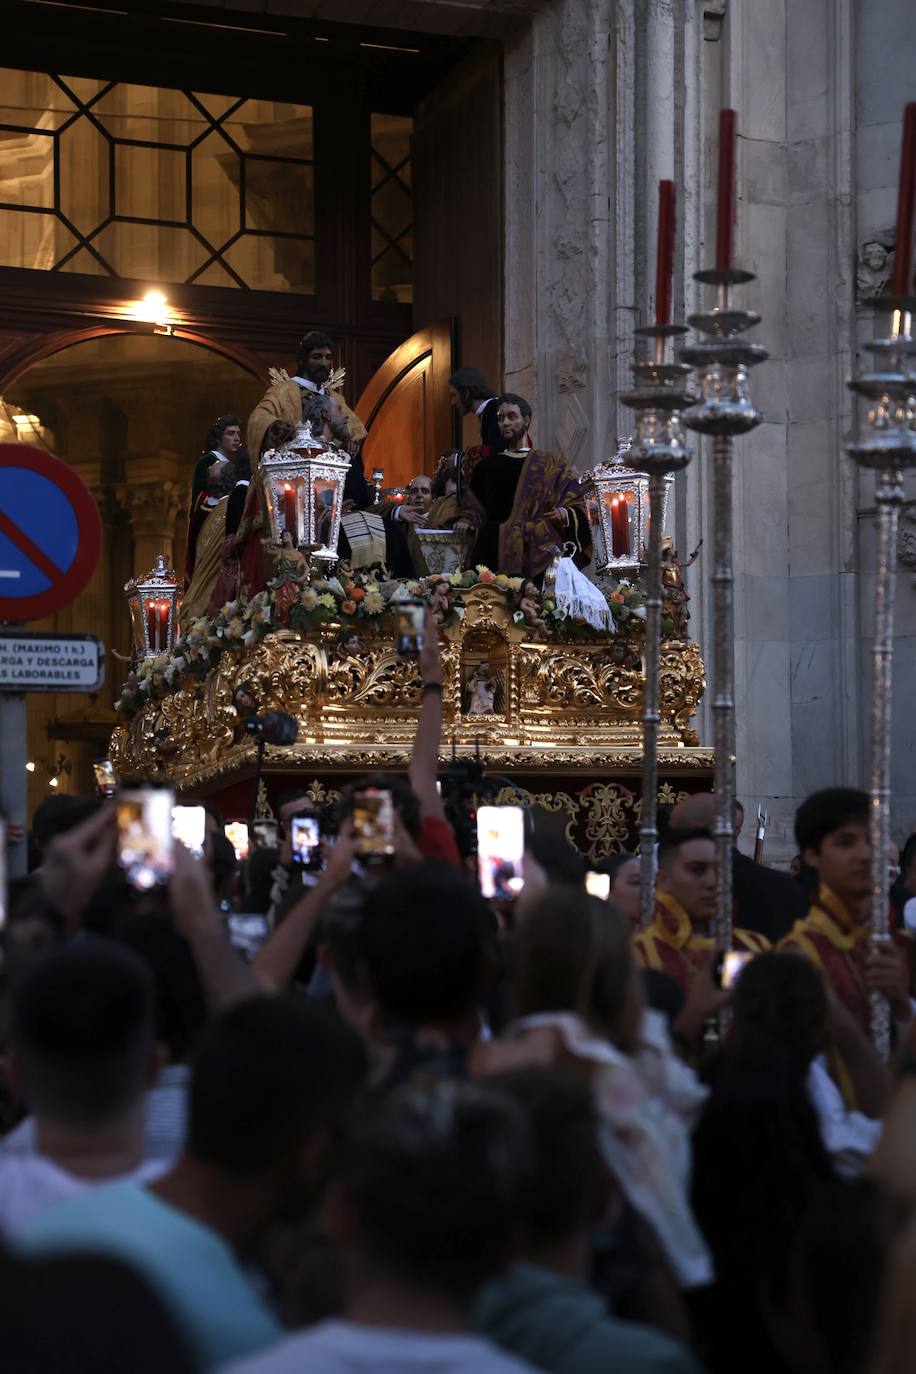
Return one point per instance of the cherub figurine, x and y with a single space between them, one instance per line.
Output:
674 594
483 691
291 574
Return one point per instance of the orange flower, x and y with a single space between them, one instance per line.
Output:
348 607
356 593
487 576
617 597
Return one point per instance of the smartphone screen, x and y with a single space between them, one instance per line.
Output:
733 961
598 885
411 616
500 850
189 827
144 824
247 932
236 833
373 825
305 836
105 780
264 834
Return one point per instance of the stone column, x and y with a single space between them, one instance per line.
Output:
152 498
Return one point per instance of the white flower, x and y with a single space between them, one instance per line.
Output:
638 611
518 617
248 637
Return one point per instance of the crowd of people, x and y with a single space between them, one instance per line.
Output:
408 1128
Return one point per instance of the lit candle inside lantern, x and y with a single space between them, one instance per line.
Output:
620 527
289 510
664 256
725 202
162 638
151 626
902 284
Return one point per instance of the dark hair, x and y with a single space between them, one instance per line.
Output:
181 1005
472 381
403 797
313 339
568 1178
674 838
510 398
907 854
422 936
780 1000
50 1318
56 815
82 1028
269 1073
217 430
435 1177
611 864
242 462
560 860
572 953
826 811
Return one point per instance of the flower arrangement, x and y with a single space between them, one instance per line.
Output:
357 601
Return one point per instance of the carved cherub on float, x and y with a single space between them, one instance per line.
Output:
674 593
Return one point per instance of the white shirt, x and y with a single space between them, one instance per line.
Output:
29 1185
342 1347
850 1137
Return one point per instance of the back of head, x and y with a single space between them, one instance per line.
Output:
826 811
780 1002
696 812
56 815
268 1074
566 1184
403 798
435 1178
471 380
422 937
572 954
82 1032
560 860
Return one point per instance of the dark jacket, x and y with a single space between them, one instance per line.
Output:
766 901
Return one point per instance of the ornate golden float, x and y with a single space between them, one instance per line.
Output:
563 717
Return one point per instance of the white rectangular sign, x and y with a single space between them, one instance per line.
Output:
50 663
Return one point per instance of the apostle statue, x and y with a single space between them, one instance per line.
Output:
224 438
523 503
210 539
469 392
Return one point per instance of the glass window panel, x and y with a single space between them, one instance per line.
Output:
391 208
273 127
215 275
31 240
84 87
85 263
270 264
153 252
216 105
83 155
150 183
279 196
27 169
149 113
32 100
215 178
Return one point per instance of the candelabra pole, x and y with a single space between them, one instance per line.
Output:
659 448
723 411
887 445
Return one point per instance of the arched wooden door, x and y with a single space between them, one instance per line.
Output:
406 408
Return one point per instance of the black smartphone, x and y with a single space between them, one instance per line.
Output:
305 837
105 781
144 825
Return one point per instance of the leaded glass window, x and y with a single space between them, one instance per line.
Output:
392 209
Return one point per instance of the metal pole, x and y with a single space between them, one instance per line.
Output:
723 704
13 777
648 821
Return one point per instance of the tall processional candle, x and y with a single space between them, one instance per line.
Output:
620 527
151 625
725 198
289 509
664 254
902 284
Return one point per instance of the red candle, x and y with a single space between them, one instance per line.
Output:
725 202
289 510
620 528
902 284
151 625
664 255
163 638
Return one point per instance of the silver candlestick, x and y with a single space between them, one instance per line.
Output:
887 445
659 449
723 411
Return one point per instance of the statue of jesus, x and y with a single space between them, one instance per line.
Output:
524 503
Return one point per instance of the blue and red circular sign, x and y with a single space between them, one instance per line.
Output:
50 533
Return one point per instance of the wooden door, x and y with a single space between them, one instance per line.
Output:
406 407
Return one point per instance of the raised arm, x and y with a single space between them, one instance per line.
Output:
424 762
